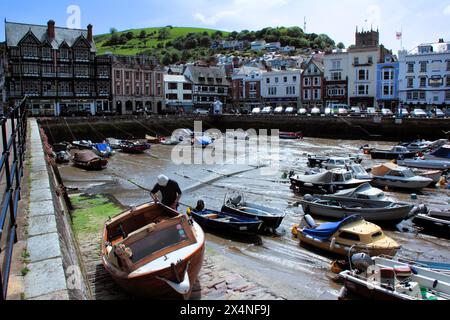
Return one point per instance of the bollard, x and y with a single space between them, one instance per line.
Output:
413 196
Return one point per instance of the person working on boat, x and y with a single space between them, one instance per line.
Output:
170 190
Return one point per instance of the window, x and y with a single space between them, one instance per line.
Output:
137 75
363 90
370 60
147 90
336 64
356 61
285 79
316 94
363 75
316 81
252 87
306 94
117 74
294 78
423 82
290 90
276 79
82 88
307 82
187 86
138 90
268 80
127 75
118 91
173 86
388 90
388 75
187 97
422 95
81 71
336 76
172 96
64 54
448 81
423 66
448 65
30 52
147 76
272 91
410 67
127 90
447 95
219 80
81 55
349 236
410 82
46 53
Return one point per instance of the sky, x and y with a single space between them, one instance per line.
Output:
420 20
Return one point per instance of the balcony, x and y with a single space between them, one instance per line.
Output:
31 74
103 94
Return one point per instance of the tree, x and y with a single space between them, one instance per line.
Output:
112 31
166 59
205 41
163 34
341 46
129 35
143 34
175 57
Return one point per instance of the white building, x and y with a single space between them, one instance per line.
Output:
281 88
424 76
258 45
178 92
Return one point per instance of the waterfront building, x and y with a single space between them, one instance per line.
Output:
57 69
364 57
281 88
246 87
210 84
312 84
178 92
137 85
424 76
336 68
387 83
258 45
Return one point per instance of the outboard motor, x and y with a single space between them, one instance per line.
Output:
362 261
420 209
310 221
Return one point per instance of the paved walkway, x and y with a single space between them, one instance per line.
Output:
46 279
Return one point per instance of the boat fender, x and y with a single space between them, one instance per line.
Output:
295 230
310 221
435 284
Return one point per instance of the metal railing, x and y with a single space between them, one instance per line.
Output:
13 142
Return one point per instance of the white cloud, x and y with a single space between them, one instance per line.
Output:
447 10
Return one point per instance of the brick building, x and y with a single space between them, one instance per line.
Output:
246 87
312 84
137 85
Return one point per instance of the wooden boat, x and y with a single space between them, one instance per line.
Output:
434 223
387 279
391 175
397 152
88 160
225 222
271 218
153 140
326 182
153 252
291 135
134 146
421 163
370 210
350 235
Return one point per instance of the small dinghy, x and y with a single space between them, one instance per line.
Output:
88 160
61 152
115 144
134 147
153 252
352 234
271 218
381 278
434 223
397 152
421 163
103 150
393 176
224 222
370 210
326 182
291 135
83 145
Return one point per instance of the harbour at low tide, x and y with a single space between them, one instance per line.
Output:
277 263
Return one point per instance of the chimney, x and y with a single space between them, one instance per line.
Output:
90 37
51 29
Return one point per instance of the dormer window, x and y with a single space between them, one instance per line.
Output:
46 53
81 55
201 79
30 52
64 54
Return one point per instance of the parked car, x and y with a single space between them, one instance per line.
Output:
289 110
256 111
343 111
438 113
372 112
315 111
267 110
245 111
386 112
404 113
302 112
419 113
202 112
355 111
278 110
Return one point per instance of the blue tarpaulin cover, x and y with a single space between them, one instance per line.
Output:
326 230
103 147
443 152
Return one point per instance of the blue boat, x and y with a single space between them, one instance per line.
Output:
226 222
103 150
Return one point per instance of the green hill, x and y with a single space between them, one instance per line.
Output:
153 40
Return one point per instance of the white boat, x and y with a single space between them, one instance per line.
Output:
443 153
425 164
418 145
381 278
363 192
359 172
391 175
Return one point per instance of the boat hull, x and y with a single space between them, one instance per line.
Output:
401 184
269 222
382 155
392 215
361 289
99 164
426 164
302 187
227 227
150 287
343 250
433 226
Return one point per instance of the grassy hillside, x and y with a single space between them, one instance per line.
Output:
141 45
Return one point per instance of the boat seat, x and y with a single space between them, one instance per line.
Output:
141 233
